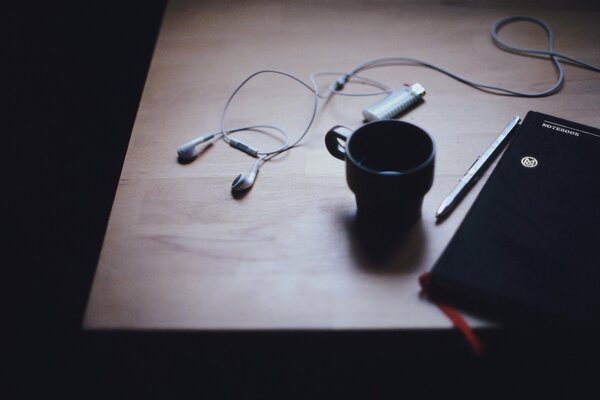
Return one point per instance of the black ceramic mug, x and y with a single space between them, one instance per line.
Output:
389 167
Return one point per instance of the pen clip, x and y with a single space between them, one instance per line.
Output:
472 170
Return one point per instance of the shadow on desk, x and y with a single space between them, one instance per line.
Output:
381 250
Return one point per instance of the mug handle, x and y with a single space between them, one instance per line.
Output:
332 141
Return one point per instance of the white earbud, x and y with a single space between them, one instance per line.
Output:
242 182
187 151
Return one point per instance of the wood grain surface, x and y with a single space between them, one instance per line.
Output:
180 253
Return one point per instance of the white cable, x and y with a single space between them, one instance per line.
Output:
337 86
286 146
497 90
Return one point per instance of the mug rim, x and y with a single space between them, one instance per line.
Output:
417 168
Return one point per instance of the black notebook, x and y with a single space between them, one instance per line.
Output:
529 248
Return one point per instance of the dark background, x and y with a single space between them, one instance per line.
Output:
75 77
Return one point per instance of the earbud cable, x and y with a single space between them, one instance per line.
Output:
336 87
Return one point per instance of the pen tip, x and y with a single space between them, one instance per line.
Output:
442 212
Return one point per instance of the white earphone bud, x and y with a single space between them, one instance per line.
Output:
187 151
242 182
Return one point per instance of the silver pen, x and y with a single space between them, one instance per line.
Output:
476 170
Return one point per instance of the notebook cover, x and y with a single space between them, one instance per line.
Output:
530 245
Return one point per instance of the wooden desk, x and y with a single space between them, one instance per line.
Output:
181 253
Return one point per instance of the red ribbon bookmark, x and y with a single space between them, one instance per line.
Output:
454 316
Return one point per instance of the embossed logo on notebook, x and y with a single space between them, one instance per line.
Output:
529 162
